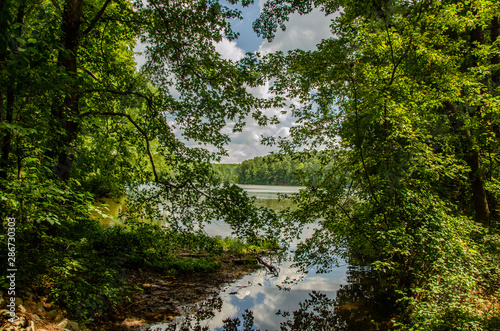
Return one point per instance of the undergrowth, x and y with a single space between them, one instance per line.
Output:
82 267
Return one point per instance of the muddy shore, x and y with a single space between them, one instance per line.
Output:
158 298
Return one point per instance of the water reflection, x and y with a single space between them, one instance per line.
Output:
109 209
357 304
345 299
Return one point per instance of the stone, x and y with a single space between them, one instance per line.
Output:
21 308
58 318
73 326
19 301
21 322
35 317
52 314
40 306
29 296
62 324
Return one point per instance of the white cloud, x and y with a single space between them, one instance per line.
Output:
140 57
283 132
302 32
229 50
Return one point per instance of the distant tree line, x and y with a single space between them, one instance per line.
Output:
270 170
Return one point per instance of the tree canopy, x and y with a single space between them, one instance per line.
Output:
403 99
405 95
76 111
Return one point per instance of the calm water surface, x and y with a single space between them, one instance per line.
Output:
343 292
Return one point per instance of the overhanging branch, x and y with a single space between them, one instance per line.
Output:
96 18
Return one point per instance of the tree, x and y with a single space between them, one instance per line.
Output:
404 96
80 121
73 102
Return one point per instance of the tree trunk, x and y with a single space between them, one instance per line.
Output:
8 116
66 114
481 207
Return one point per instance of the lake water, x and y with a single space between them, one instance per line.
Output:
342 298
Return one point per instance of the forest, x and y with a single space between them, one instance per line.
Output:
271 170
402 100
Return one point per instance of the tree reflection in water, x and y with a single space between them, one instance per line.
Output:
358 305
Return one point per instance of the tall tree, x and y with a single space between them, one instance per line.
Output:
73 101
405 96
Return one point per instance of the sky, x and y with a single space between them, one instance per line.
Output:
303 32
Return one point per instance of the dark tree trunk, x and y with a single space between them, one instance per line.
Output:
66 114
481 207
494 32
7 114
480 199
7 139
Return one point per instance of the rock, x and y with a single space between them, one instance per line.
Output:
73 326
19 301
58 318
40 306
32 325
62 324
52 314
21 322
35 318
29 296
21 308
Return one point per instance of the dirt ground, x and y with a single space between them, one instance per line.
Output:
164 297
160 298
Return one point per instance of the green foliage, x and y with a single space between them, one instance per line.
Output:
272 169
404 97
79 121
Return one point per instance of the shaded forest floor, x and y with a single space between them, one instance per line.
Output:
158 298
162 298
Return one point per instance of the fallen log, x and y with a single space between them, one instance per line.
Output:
271 268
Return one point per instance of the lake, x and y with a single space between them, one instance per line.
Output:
342 296
343 299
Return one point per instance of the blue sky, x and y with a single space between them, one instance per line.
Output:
303 32
248 40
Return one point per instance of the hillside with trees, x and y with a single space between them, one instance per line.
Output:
271 170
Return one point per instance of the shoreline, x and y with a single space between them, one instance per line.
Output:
158 298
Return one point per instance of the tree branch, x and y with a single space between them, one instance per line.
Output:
137 126
96 18
56 5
